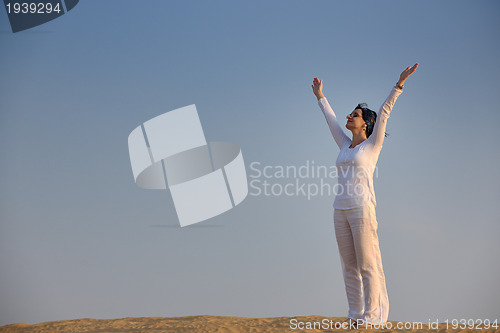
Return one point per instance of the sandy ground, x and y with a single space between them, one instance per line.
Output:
214 324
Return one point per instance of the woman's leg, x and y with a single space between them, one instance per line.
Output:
364 226
350 271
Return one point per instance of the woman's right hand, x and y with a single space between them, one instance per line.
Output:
317 88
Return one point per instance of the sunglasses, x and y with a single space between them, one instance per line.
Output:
353 115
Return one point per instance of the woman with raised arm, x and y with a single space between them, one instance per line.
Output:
354 206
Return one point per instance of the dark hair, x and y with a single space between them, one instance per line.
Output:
369 116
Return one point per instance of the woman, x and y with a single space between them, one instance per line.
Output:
354 206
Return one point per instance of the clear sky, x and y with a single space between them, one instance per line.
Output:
79 239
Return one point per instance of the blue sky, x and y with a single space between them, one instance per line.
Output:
79 239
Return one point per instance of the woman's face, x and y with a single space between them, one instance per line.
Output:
355 120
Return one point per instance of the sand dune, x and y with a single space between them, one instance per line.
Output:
214 324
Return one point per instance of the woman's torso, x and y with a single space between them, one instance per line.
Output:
355 170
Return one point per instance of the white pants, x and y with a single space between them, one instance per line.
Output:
356 233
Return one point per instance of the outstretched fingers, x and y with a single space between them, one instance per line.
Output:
412 68
408 71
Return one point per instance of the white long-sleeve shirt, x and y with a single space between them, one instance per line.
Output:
355 166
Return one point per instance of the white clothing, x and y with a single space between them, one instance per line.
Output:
356 233
356 166
354 216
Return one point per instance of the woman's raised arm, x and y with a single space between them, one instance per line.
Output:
378 134
337 132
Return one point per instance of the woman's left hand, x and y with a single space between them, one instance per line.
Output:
407 72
